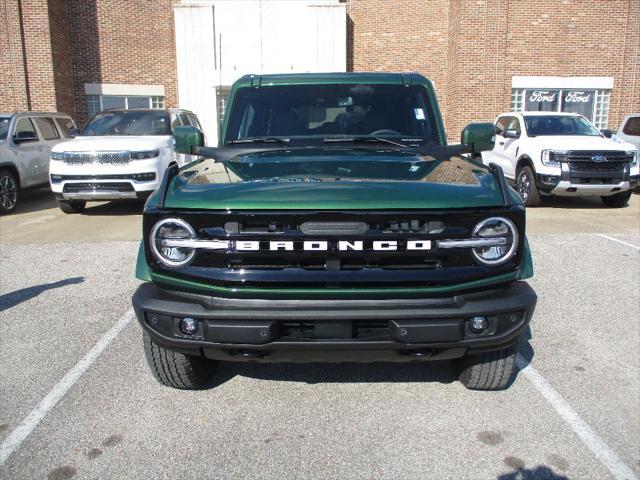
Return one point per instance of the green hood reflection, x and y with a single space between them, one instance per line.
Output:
336 178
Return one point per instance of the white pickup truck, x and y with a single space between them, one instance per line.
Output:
550 153
120 154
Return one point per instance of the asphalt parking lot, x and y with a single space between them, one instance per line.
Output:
78 400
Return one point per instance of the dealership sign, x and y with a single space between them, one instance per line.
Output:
542 101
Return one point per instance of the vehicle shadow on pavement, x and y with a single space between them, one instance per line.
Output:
541 472
35 200
12 299
314 373
121 207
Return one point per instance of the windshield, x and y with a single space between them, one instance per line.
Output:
310 111
4 127
130 122
559 125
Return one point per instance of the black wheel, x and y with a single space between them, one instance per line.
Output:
177 370
76 206
618 200
488 370
8 191
527 189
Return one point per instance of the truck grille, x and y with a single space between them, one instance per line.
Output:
587 156
597 166
97 157
98 187
335 268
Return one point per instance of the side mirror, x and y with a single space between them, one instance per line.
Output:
187 137
511 133
74 132
478 137
23 137
606 132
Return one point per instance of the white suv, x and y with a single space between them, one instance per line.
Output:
26 138
121 154
549 153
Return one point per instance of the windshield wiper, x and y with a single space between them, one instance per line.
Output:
259 140
363 139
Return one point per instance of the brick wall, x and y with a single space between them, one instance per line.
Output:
472 48
121 41
12 80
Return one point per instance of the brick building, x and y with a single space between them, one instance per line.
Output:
484 56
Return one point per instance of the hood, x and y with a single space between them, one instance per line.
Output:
335 179
111 143
579 142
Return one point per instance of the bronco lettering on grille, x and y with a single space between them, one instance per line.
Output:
324 245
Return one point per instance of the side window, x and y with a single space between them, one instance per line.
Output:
175 121
47 128
632 127
25 128
501 125
65 125
514 124
194 121
184 119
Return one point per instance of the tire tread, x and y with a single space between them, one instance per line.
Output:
174 369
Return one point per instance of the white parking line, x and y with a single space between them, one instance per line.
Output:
588 436
618 241
31 421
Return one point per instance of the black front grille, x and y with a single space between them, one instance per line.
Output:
334 267
587 156
98 187
597 166
139 177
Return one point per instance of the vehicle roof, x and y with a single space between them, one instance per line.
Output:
335 77
538 114
34 114
171 110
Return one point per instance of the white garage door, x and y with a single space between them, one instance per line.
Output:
219 41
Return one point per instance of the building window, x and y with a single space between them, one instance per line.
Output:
517 100
593 104
98 103
157 102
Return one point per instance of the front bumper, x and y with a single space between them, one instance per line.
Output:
335 330
569 189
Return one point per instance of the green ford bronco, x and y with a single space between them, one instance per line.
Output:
333 224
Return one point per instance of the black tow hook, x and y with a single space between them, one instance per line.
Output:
249 353
419 353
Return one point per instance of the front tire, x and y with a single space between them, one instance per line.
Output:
618 200
489 370
527 189
8 191
71 207
177 370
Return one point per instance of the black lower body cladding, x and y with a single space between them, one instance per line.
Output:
335 330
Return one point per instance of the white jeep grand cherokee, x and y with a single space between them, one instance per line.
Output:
549 153
120 154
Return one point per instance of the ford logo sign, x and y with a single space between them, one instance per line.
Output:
599 158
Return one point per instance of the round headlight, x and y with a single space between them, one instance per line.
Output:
498 228
163 245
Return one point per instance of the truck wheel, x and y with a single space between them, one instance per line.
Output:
618 200
174 369
8 192
527 189
72 207
488 370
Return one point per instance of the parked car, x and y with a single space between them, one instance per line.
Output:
546 153
334 223
120 154
629 130
26 139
